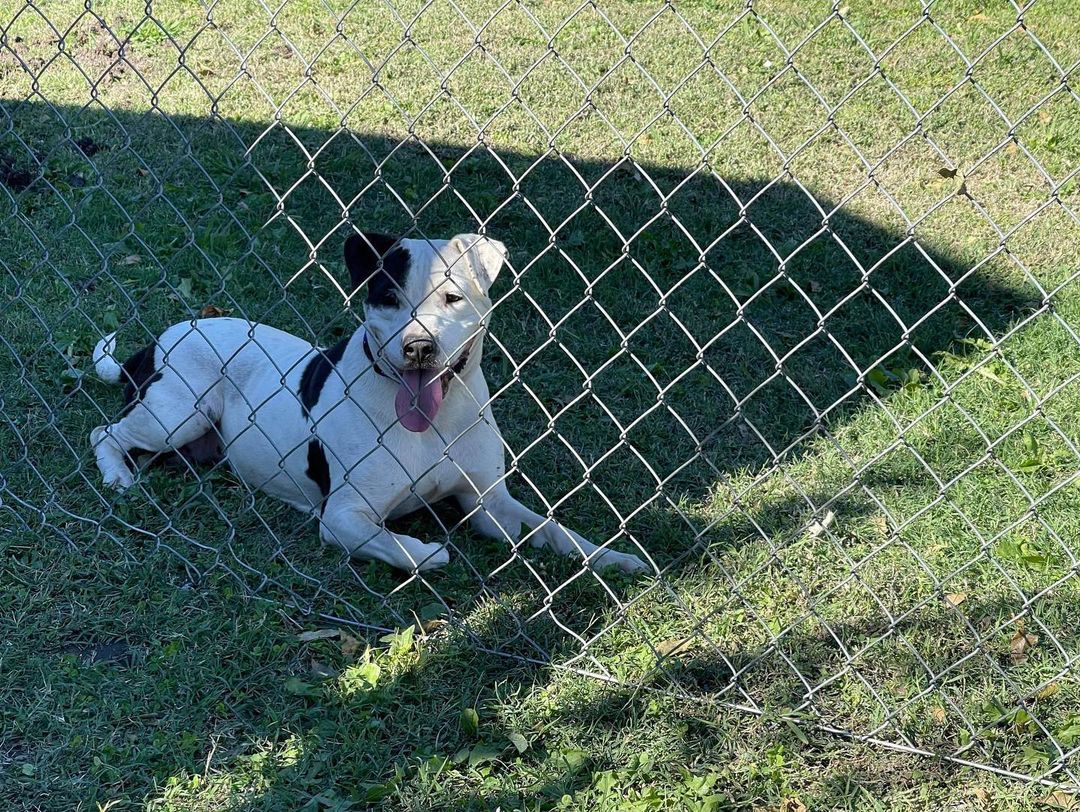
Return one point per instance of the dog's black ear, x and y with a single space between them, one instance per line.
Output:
364 254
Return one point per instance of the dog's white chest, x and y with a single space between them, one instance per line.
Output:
401 471
438 483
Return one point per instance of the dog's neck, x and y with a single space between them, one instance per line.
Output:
370 356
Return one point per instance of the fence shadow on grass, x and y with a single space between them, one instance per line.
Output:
665 368
579 733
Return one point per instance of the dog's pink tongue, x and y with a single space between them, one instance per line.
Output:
418 398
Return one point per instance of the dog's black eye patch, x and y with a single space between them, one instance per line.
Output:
385 286
388 297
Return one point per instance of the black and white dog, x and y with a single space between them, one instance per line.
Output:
393 417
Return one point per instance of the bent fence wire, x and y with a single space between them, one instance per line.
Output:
786 313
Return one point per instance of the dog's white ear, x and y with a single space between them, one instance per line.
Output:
484 256
364 254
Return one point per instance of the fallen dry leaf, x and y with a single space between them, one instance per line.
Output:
981 795
1047 691
349 644
322 671
938 714
318 634
792 805
1022 642
676 646
130 259
1059 799
431 626
213 311
955 598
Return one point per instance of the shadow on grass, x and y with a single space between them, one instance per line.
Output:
664 330
396 737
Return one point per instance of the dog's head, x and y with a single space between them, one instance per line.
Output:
427 305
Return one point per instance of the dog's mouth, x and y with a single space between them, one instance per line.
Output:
421 391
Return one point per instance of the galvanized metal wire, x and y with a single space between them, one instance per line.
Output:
497 602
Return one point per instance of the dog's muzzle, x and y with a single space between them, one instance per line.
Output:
421 389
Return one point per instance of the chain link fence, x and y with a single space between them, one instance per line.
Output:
788 313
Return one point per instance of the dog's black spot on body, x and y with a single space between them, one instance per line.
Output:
140 371
315 374
317 470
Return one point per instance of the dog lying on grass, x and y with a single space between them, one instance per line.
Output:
393 417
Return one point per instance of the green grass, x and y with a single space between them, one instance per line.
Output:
210 703
669 281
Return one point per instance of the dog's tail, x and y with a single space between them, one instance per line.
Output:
104 363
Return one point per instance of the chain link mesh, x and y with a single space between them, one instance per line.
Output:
787 314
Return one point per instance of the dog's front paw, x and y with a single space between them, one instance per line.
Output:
431 557
625 562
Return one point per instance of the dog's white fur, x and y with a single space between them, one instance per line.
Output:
243 379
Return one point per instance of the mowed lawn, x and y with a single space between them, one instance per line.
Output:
791 310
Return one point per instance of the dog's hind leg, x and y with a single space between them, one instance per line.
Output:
111 457
168 417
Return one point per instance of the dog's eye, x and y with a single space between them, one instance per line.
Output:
390 299
453 298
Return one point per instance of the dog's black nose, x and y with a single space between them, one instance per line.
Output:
419 351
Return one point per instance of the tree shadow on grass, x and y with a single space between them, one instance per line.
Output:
659 328
663 331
